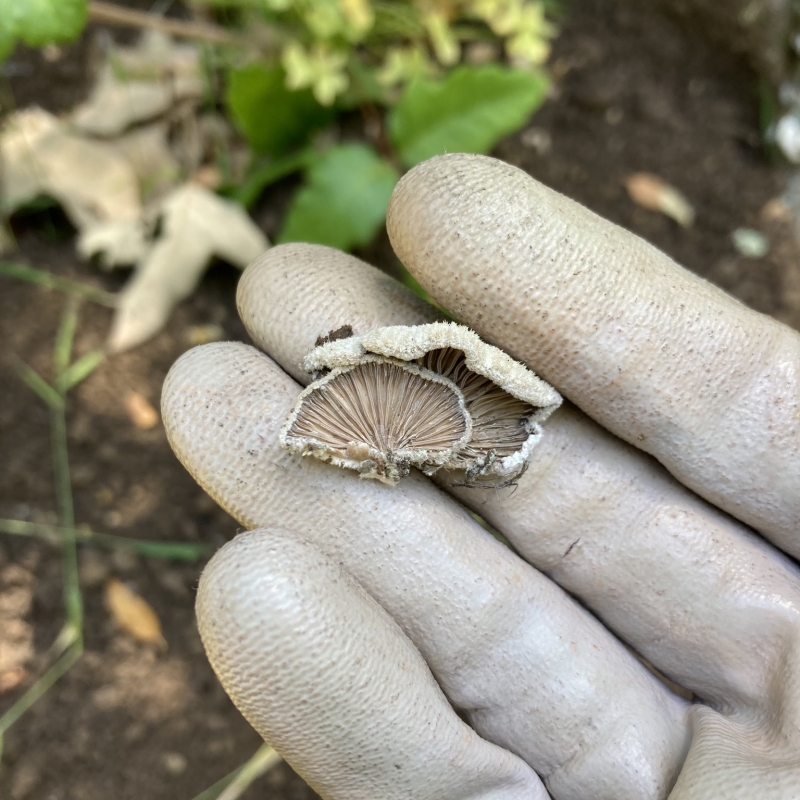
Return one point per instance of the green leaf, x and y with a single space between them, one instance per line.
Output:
469 111
39 22
263 176
273 119
343 203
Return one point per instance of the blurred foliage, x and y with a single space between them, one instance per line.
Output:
344 200
428 76
402 65
273 118
469 111
39 22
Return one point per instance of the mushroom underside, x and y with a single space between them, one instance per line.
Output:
380 418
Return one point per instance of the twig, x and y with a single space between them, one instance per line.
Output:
117 15
50 281
174 551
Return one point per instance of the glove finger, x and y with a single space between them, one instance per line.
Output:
705 600
658 356
727 762
328 678
535 673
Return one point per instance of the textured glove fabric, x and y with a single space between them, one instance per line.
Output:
659 357
533 671
322 672
355 578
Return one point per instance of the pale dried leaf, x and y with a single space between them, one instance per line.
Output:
38 156
654 194
141 411
133 613
147 150
140 83
197 225
118 243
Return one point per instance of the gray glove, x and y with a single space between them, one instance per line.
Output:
353 622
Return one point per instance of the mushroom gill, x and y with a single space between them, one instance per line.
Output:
380 418
501 423
504 403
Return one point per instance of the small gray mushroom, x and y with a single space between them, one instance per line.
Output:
380 417
432 396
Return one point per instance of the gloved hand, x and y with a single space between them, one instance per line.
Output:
358 616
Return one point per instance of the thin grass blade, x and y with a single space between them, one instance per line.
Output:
38 384
80 370
49 281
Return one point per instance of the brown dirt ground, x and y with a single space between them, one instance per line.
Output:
639 92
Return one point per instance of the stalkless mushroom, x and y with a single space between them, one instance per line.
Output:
380 418
345 418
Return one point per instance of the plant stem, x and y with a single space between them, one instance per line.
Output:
40 687
262 761
62 354
50 281
176 551
72 593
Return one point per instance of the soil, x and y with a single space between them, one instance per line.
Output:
637 91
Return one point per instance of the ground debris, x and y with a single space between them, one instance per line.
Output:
655 194
139 197
134 614
141 411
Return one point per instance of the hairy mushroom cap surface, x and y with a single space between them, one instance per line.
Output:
380 417
504 399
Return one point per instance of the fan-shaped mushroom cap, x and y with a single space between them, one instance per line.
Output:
380 418
505 400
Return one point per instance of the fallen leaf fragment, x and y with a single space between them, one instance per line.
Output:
140 83
39 156
147 149
118 243
141 411
196 226
654 194
133 614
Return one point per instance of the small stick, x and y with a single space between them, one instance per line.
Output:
116 15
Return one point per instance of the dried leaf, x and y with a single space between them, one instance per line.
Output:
133 614
147 150
39 156
140 83
116 244
196 226
652 193
141 411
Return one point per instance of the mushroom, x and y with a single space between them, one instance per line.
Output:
380 417
387 400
